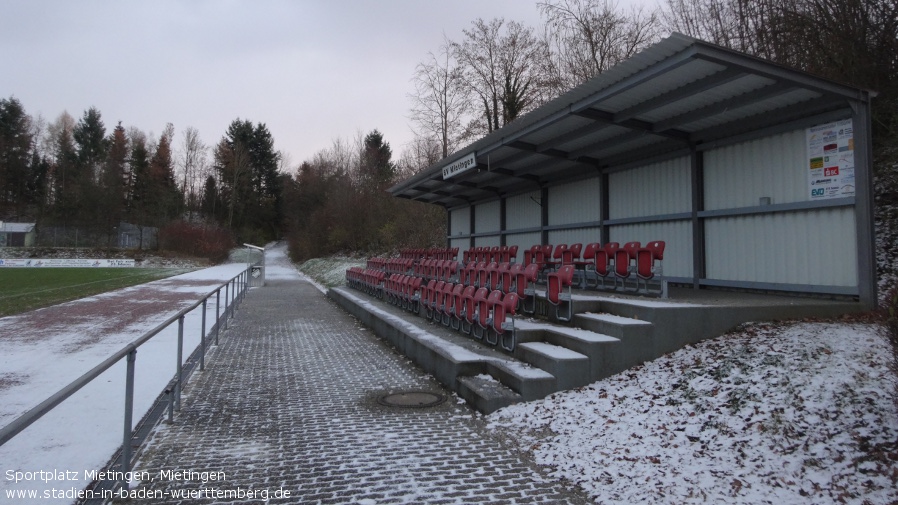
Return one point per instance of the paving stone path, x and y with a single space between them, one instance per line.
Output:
288 403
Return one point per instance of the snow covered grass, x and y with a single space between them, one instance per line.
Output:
331 271
790 413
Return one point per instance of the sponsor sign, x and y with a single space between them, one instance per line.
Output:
830 160
462 165
64 263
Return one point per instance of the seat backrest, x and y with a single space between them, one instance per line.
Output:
589 252
558 281
560 249
572 254
657 248
644 261
622 262
631 248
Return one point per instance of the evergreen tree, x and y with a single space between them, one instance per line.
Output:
15 153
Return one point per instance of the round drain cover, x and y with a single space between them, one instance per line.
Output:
411 399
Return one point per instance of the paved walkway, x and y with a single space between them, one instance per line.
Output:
288 404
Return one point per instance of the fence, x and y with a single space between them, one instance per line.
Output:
125 236
234 291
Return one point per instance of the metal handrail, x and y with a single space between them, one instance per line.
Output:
239 281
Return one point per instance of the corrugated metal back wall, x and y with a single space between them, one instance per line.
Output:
522 211
460 221
787 247
575 202
738 175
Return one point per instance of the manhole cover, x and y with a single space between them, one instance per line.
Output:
411 399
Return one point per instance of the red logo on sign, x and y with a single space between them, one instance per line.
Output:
830 171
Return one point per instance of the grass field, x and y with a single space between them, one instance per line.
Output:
24 289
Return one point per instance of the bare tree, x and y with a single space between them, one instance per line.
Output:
192 163
587 37
439 103
500 65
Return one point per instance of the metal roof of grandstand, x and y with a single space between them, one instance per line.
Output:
677 95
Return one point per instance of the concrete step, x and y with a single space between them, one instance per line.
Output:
485 393
570 368
636 337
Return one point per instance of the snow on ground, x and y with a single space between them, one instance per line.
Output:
793 413
44 350
330 272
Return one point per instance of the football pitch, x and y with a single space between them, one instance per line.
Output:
24 289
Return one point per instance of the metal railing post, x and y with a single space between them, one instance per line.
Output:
217 315
203 339
129 413
226 306
180 361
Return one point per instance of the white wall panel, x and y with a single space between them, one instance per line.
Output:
740 174
815 247
583 236
575 202
651 190
523 241
486 241
460 221
522 211
677 237
486 217
462 243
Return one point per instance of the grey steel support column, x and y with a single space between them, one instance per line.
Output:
180 367
129 413
203 339
697 176
502 214
544 214
448 228
472 222
863 207
604 207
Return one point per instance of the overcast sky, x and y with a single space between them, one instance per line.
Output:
311 70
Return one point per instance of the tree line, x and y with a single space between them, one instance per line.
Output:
500 69
76 173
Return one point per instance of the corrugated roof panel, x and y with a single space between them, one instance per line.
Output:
675 78
780 101
718 94
601 136
607 149
566 125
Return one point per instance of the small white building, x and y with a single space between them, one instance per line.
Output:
17 234
757 176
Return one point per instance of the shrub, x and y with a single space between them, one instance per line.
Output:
890 322
200 240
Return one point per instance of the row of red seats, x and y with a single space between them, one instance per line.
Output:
368 280
474 311
403 291
399 265
449 253
599 263
377 263
499 254
443 270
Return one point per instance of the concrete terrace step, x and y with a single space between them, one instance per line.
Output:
485 393
450 356
570 368
637 337
598 348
